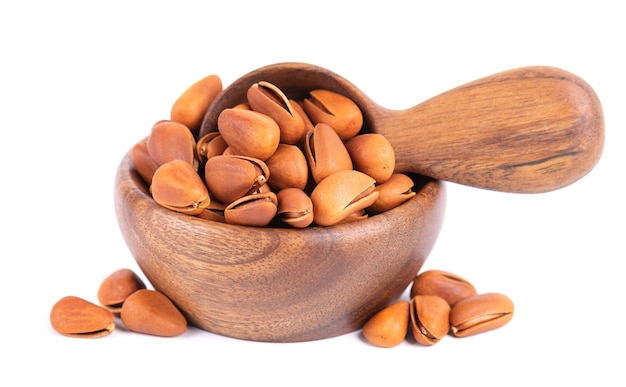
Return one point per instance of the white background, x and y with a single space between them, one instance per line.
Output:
81 82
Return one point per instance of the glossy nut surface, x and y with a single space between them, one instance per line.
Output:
116 287
268 99
243 106
177 186
288 168
341 194
230 177
76 317
480 313
449 286
151 312
209 145
430 319
359 214
295 207
255 210
395 191
144 164
336 110
373 155
325 152
249 133
388 327
190 106
169 141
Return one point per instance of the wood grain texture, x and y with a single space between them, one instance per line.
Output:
526 130
278 284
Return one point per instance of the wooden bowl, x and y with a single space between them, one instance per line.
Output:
278 284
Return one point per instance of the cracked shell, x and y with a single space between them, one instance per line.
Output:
209 145
480 313
325 152
430 319
295 207
449 286
395 191
267 98
177 186
230 177
341 194
252 210
336 110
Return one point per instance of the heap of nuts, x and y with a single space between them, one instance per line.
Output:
277 161
273 161
441 303
122 294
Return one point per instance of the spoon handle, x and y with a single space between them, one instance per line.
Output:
527 130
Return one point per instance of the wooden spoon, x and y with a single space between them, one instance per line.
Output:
526 130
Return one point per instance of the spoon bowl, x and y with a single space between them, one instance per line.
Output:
527 130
